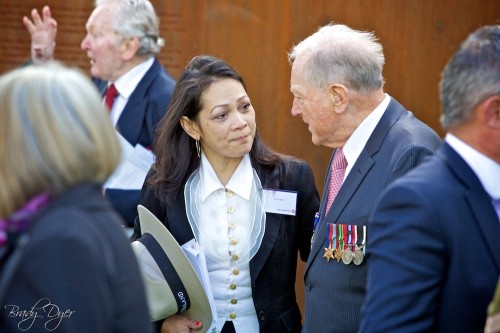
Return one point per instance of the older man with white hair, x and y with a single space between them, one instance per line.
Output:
122 42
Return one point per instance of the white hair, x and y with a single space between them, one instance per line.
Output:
337 53
137 18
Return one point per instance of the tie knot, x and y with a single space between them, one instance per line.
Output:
339 160
111 95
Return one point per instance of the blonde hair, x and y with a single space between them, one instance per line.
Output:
54 132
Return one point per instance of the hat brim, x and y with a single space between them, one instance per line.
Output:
199 309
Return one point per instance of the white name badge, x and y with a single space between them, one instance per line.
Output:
280 202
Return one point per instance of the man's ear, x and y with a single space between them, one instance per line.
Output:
190 127
130 47
490 111
339 95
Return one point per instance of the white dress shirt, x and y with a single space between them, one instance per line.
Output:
358 139
485 168
126 85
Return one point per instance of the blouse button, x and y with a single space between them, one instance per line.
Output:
232 226
234 257
229 193
232 286
234 241
232 315
230 210
234 301
236 271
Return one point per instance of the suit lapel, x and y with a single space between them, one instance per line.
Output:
178 223
134 112
273 224
488 223
362 166
349 187
477 198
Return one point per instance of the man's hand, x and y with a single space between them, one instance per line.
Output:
43 33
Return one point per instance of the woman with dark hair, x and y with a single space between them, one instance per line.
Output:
250 208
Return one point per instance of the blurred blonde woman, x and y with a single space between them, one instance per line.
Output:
64 259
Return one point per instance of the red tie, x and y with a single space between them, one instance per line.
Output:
110 97
337 173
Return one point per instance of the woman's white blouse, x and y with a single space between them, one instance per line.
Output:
229 223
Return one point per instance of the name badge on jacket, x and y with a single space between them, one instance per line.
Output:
280 202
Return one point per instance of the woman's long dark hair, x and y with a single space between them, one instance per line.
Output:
175 150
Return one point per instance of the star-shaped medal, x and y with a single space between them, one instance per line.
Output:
338 254
328 254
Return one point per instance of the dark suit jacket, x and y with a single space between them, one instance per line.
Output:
435 252
334 291
144 109
78 259
273 268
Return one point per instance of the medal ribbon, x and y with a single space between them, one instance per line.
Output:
355 237
331 235
362 236
341 237
349 236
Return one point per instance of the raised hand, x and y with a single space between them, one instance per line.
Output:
43 31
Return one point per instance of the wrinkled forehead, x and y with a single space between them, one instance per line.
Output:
297 72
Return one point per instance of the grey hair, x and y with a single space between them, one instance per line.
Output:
55 133
137 18
340 54
471 75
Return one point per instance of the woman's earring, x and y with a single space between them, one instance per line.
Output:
198 148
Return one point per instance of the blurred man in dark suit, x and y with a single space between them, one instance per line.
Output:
434 256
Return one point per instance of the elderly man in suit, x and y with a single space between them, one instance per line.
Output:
337 85
122 41
434 258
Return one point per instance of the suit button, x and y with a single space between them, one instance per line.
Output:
308 285
261 315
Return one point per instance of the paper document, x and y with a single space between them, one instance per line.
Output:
133 168
196 255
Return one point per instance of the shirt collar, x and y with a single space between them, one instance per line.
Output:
240 182
127 83
485 168
358 139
